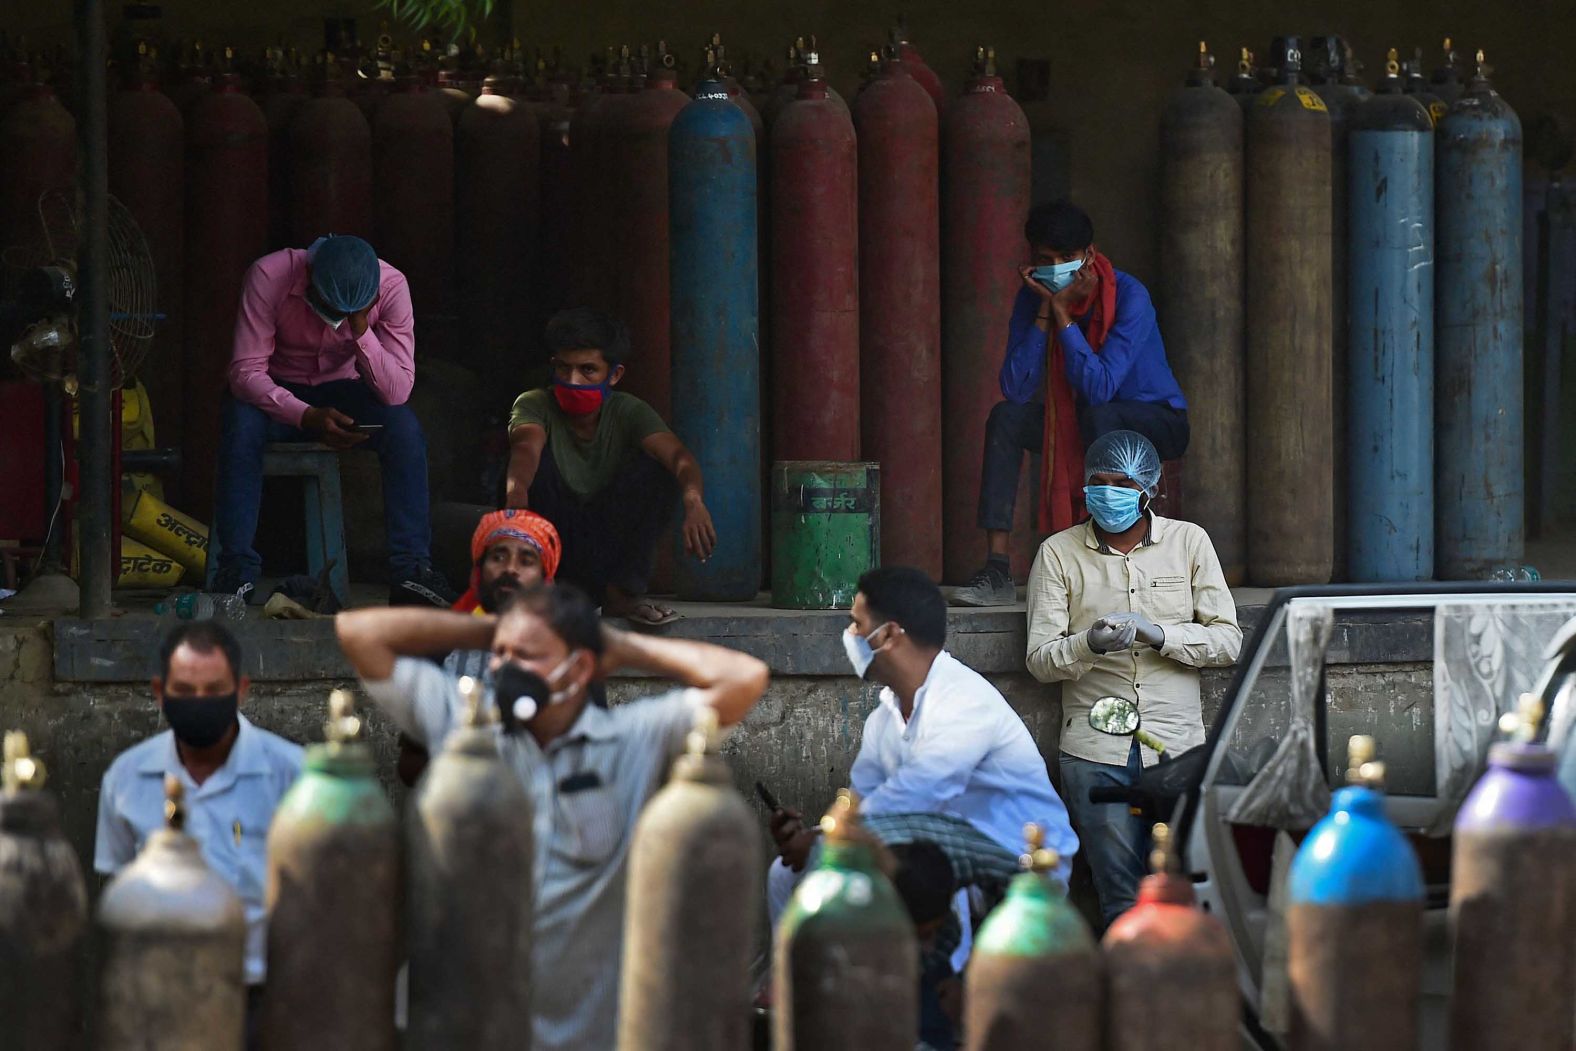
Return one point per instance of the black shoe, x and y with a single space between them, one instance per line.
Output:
989 587
426 587
231 582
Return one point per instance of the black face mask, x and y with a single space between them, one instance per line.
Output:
514 683
200 722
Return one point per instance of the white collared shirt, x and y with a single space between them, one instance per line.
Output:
964 752
228 815
587 788
1174 579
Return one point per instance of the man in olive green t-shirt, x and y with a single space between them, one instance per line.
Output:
602 466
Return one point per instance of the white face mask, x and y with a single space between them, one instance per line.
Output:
330 322
860 653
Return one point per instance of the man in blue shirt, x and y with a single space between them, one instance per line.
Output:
1121 382
234 773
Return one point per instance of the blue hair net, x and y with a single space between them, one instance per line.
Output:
345 273
1126 453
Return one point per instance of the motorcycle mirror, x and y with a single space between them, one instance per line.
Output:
1116 716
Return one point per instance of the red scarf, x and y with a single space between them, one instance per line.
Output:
1061 470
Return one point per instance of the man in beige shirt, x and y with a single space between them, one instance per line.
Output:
1129 605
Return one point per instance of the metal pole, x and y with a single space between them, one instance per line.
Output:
93 347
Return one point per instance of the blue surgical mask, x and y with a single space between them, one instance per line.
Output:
1113 507
860 653
1058 276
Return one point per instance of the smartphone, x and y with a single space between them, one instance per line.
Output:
368 428
767 797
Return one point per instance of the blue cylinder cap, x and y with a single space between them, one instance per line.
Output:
1355 856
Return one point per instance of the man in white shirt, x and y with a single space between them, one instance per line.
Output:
234 773
944 758
1129 605
589 770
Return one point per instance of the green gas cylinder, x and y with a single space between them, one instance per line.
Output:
1035 972
846 971
333 900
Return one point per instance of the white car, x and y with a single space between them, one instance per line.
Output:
1490 645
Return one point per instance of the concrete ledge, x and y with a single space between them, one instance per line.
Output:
793 643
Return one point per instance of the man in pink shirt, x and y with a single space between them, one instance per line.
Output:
325 351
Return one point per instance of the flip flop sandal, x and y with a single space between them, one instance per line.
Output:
663 615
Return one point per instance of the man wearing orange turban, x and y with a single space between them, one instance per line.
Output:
510 550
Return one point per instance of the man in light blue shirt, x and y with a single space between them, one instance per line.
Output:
234 773
588 770
943 759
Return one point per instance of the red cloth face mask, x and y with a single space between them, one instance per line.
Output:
579 401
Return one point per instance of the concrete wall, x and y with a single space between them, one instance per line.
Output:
1112 64
800 740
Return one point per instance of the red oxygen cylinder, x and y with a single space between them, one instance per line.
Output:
226 230
914 63
496 211
985 183
330 169
595 190
1171 974
413 192
194 78
147 174
286 95
637 151
815 279
557 245
38 152
900 309
787 88
16 74
452 94
588 245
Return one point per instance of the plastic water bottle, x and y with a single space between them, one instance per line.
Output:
199 605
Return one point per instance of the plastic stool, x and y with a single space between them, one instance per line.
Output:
318 468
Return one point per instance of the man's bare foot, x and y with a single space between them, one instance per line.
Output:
640 612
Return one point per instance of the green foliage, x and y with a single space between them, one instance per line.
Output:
459 18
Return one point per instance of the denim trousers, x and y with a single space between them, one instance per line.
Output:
1114 841
402 454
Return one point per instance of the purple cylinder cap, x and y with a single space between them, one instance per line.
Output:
1518 790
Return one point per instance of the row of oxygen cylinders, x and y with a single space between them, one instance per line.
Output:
846 957
1341 296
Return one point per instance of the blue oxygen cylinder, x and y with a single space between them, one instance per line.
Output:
1390 164
716 330
1479 498
1355 922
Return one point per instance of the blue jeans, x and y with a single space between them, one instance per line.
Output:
401 449
1114 840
